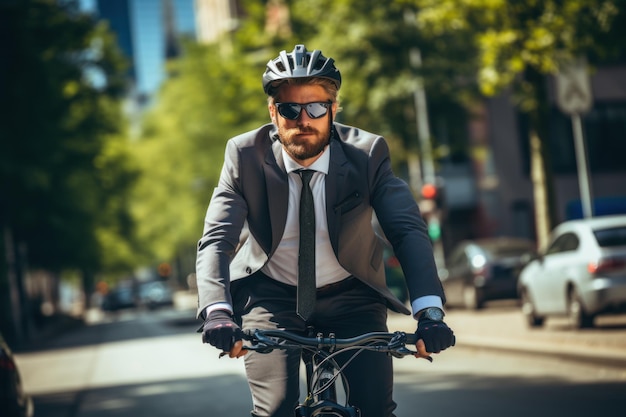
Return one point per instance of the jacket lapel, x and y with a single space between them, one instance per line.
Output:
335 189
277 183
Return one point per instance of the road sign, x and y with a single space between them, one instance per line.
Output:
573 88
573 96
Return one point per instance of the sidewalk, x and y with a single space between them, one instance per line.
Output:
505 329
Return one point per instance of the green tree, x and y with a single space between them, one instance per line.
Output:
64 165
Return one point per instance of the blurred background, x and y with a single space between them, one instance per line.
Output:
115 113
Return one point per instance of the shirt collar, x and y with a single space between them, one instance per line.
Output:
321 164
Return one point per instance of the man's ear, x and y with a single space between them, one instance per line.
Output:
272 110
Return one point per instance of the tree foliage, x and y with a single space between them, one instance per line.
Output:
510 39
64 164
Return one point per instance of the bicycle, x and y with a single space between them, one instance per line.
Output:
322 371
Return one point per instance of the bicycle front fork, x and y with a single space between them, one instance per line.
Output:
321 398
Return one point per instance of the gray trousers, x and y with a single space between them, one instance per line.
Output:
348 309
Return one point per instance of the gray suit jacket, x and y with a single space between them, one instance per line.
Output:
252 195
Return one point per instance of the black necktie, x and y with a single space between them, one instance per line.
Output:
306 256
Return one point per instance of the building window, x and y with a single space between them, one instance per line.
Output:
604 129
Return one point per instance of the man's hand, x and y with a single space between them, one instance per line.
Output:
221 331
434 336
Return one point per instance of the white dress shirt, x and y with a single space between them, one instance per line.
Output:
283 265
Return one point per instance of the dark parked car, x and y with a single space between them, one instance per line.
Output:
482 270
155 294
151 294
14 402
120 298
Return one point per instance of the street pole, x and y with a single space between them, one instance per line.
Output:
433 219
426 169
428 166
423 128
582 165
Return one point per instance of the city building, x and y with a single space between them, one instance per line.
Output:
147 32
215 18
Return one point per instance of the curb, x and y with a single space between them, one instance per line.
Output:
590 355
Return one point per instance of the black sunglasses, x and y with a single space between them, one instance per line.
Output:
292 111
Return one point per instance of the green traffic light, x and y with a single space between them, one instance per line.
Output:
434 230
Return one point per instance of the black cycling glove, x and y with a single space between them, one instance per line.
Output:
436 335
220 330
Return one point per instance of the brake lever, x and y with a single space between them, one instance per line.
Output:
259 347
404 351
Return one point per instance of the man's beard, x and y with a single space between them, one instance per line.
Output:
302 149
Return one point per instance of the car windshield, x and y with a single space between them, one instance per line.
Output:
615 236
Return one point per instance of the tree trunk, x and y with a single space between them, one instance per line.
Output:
540 192
538 108
16 308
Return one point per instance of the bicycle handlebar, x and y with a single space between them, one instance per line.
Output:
264 341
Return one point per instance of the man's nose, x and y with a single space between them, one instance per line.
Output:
303 115
303 118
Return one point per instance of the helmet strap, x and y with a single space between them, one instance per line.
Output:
330 125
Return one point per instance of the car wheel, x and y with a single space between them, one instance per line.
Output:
578 317
473 298
529 311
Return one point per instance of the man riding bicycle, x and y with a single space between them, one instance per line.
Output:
259 266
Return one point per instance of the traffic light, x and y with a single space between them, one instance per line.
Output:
434 228
432 207
432 196
434 192
429 191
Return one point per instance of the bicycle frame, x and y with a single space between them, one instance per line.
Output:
322 371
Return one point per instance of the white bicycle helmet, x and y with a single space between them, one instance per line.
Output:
300 64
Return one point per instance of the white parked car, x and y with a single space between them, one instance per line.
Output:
581 274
